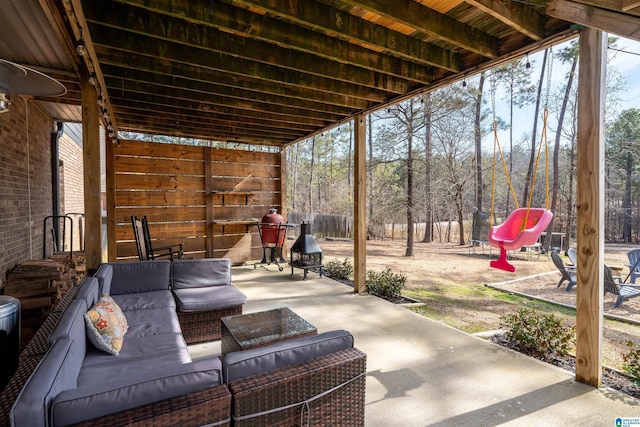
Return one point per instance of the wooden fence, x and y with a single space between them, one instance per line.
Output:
202 197
325 225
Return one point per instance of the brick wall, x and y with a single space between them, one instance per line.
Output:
72 186
25 182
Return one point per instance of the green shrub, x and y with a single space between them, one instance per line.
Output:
385 284
339 270
539 335
631 362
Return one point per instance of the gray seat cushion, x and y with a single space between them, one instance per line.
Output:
153 321
198 273
145 300
240 364
122 392
208 298
153 353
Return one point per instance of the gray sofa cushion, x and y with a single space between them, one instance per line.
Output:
240 364
104 274
139 276
145 300
197 273
154 353
208 298
154 321
71 323
89 291
102 398
57 371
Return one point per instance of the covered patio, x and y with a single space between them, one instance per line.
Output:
421 372
271 73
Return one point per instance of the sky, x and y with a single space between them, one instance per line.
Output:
627 64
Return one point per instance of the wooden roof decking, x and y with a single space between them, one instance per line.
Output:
266 71
276 71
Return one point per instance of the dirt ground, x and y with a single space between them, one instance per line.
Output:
450 280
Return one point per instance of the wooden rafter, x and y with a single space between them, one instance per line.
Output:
435 24
320 17
516 15
239 72
181 23
595 17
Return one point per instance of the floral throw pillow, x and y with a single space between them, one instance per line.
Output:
106 325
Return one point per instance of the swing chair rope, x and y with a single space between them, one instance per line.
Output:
543 141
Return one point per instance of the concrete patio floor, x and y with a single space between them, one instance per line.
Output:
424 373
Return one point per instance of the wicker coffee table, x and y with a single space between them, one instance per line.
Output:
255 330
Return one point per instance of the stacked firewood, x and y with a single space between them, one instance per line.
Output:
40 284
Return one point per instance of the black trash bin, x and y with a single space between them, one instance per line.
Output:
9 338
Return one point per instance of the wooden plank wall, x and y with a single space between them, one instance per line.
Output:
195 196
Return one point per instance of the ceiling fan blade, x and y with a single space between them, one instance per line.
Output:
17 79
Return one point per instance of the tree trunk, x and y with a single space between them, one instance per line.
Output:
428 229
409 187
626 206
294 184
532 157
572 162
459 209
373 231
556 153
313 156
478 143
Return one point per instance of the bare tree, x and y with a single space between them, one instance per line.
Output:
478 142
428 230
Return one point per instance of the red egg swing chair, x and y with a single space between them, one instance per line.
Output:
523 226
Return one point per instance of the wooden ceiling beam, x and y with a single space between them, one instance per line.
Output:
346 27
159 122
594 17
221 105
268 93
127 87
207 49
518 16
241 71
613 5
186 18
434 23
219 113
207 119
203 92
198 134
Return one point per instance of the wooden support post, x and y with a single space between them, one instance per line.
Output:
590 206
208 189
110 159
360 204
91 164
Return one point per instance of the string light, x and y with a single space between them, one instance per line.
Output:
80 48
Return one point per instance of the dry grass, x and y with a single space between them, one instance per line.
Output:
449 279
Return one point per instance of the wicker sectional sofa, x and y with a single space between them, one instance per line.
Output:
63 379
